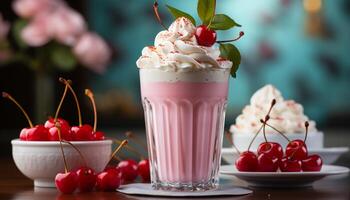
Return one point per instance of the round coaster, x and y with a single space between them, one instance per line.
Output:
147 190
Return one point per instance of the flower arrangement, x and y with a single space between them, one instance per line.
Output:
50 33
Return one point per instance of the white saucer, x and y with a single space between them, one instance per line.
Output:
328 155
147 190
283 179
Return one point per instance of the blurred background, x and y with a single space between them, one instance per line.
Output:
302 47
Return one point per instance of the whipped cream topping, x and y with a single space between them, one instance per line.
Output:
287 115
176 49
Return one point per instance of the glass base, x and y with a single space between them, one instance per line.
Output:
185 187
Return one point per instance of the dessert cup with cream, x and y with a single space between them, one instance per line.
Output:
286 116
184 93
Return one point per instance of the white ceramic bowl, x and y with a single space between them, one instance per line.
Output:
242 140
41 161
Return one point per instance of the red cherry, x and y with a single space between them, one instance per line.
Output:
272 149
205 37
297 150
23 134
266 163
312 163
98 135
66 134
144 170
86 179
53 132
37 133
66 182
290 165
82 133
51 123
108 180
128 168
247 162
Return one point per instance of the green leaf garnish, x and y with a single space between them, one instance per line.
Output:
206 10
222 22
178 13
230 52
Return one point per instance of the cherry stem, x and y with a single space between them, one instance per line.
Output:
67 83
132 136
273 103
122 144
58 126
76 148
92 99
117 158
61 102
8 96
306 130
256 134
232 40
264 129
128 147
278 131
156 13
229 138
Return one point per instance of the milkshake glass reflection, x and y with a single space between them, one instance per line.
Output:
184 94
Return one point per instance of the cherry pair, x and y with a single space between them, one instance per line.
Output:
83 179
297 158
267 160
130 170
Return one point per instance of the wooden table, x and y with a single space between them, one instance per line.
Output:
13 185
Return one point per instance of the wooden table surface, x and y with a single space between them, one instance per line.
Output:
13 185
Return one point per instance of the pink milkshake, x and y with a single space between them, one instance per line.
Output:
184 93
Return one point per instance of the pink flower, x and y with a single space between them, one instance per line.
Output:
66 25
29 8
4 28
36 33
93 52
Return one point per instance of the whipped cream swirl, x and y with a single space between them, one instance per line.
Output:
287 115
176 49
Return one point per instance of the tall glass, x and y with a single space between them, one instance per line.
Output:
184 117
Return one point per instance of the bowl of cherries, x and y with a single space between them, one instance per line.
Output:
37 151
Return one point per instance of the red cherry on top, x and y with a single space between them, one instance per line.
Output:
66 182
143 169
247 162
53 131
86 179
290 165
128 169
37 133
205 37
98 135
266 163
296 150
312 163
108 180
272 149
82 133
51 123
